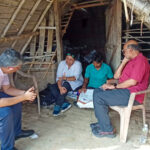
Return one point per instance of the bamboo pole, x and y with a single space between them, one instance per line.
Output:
27 20
12 38
37 25
32 63
92 1
49 28
48 67
91 5
126 10
13 17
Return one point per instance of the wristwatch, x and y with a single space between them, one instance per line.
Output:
115 85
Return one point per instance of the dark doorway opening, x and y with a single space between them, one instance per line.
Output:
86 33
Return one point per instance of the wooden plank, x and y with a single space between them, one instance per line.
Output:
37 25
42 39
33 46
117 20
47 27
27 20
50 33
113 33
58 31
13 17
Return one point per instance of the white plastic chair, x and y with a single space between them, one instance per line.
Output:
125 113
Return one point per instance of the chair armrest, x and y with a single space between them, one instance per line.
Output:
131 100
142 92
132 96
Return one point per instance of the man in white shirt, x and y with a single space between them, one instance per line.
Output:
69 78
10 101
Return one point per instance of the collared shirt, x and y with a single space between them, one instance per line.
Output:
75 70
4 80
98 77
137 69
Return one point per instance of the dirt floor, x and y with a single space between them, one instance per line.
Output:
71 131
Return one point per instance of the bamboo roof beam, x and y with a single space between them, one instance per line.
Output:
92 1
65 3
13 17
91 5
27 19
18 37
37 25
141 9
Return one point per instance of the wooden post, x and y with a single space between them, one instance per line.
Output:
50 33
41 39
33 46
58 31
13 17
113 33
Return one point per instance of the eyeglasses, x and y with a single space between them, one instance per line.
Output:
123 50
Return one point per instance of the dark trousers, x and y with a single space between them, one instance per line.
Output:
102 99
10 124
60 98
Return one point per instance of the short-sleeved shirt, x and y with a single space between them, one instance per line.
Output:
4 80
75 70
139 70
98 77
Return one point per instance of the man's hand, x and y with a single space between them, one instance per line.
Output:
83 89
63 90
30 94
63 77
108 86
125 60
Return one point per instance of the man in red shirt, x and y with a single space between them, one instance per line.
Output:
133 74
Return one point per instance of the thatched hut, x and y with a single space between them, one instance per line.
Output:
44 30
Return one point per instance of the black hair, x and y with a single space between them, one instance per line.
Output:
10 58
134 47
98 58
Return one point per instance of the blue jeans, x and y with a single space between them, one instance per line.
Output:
60 98
10 124
103 99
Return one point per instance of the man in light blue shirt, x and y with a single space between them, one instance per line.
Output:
96 74
69 78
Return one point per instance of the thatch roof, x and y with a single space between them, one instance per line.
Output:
23 17
141 8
